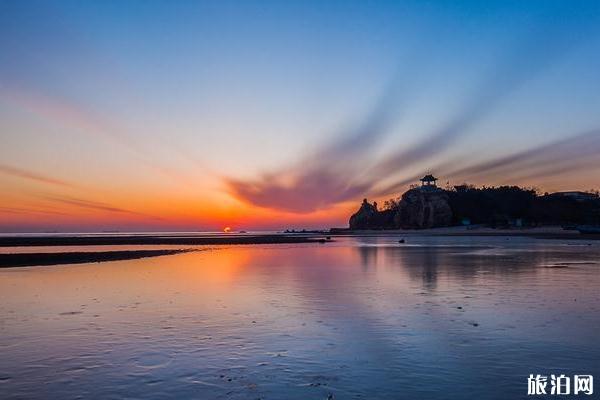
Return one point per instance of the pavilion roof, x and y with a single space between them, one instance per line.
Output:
428 178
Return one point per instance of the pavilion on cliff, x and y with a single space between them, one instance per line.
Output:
428 181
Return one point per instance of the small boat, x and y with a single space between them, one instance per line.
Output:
589 229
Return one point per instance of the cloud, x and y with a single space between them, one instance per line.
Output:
34 176
346 169
94 205
67 113
576 152
523 63
329 176
70 114
309 192
17 210
335 172
338 172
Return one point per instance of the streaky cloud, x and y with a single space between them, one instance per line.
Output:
550 159
94 205
19 210
67 113
328 176
561 157
345 169
308 193
335 172
523 63
33 176
397 185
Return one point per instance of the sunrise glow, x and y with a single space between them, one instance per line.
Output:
133 137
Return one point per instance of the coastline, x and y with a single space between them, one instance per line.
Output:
546 232
13 260
28 259
109 240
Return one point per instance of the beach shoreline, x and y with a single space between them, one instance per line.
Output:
546 232
159 239
13 260
33 258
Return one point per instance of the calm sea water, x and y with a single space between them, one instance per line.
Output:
361 318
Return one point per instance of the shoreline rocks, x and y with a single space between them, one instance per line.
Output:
419 208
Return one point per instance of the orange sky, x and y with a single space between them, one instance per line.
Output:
167 117
36 202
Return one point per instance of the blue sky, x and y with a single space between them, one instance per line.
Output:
260 103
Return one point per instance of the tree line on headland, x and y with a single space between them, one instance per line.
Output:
428 206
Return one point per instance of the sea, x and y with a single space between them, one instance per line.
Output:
354 318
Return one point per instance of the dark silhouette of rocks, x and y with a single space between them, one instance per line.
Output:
365 216
369 217
429 206
34 259
417 209
421 208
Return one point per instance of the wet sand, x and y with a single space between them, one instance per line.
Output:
38 259
109 240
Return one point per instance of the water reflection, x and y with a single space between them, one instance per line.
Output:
359 318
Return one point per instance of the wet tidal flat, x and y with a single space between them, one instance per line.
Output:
434 318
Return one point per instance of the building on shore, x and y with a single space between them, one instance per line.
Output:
575 195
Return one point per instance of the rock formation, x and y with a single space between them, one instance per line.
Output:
365 217
505 206
423 208
419 208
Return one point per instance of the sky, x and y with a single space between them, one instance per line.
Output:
258 115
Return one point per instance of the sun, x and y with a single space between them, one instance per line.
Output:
227 229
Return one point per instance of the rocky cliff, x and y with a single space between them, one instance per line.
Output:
422 208
419 208
365 217
429 206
